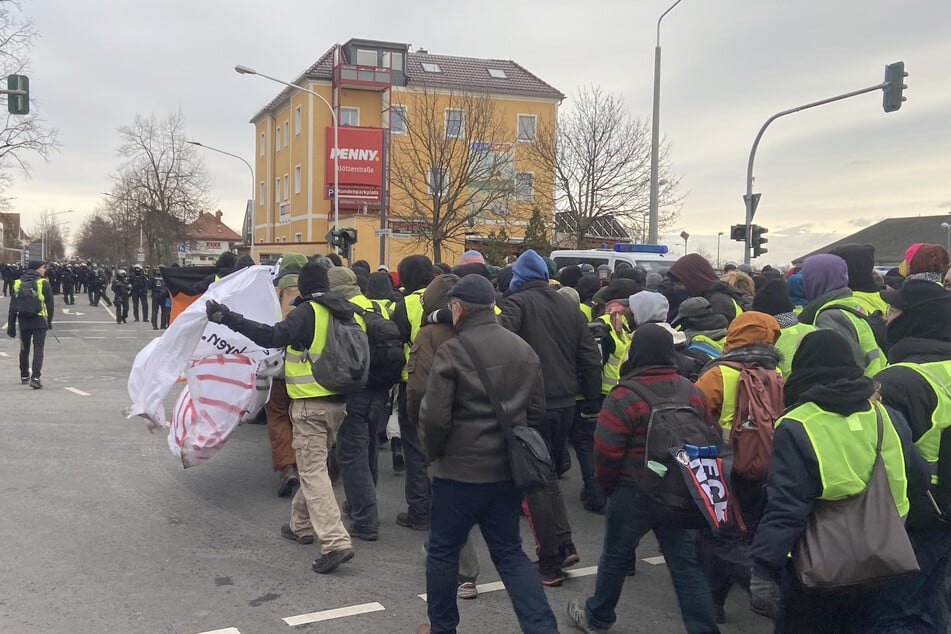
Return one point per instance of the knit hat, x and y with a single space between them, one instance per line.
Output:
471 256
35 264
244 262
929 258
570 275
570 293
312 279
344 281
528 266
225 261
860 259
472 268
473 289
773 298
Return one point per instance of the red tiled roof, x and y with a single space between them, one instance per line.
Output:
209 227
464 73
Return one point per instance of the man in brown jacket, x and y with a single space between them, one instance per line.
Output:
472 481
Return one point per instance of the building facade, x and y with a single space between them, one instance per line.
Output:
206 239
427 145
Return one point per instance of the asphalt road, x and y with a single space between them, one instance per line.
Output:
102 530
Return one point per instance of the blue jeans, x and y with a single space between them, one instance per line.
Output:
416 478
356 453
917 603
495 507
628 517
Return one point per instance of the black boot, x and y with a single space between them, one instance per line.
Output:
396 447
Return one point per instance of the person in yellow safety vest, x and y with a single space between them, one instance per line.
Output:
918 384
415 274
824 279
33 326
316 412
796 293
750 340
705 332
773 299
824 448
860 260
695 274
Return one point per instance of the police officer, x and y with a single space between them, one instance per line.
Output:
316 412
159 299
121 289
69 285
140 290
33 327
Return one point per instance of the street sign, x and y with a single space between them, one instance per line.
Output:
684 235
140 257
181 248
753 206
379 233
141 251
330 192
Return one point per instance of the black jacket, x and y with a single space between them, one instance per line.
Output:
907 391
139 284
555 328
721 297
34 322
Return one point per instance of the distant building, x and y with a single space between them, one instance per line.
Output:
12 238
208 238
892 236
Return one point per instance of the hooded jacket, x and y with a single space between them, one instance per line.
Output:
33 322
415 273
698 277
430 337
528 267
749 339
860 260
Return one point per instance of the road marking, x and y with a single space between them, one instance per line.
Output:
655 561
337 613
227 630
495 586
4 354
77 391
108 310
93 337
5 324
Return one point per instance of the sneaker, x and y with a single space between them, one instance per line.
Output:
570 554
416 523
330 561
467 590
24 380
576 617
551 577
366 534
289 480
766 608
287 533
35 383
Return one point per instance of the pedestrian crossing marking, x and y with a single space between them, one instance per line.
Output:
336 613
655 561
495 586
77 391
227 630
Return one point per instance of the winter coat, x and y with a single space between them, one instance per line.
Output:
34 322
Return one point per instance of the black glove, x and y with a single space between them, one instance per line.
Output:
49 324
218 313
11 332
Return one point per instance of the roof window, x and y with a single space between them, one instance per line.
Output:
431 67
497 73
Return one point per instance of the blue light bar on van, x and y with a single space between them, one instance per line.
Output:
626 247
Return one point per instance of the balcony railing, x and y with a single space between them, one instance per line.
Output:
362 77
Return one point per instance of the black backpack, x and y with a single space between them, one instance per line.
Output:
386 350
673 423
342 366
28 302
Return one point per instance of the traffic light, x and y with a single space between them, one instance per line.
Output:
894 85
738 233
18 104
343 239
757 240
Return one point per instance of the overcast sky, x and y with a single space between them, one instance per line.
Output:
727 66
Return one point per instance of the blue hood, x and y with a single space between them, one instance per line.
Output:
528 266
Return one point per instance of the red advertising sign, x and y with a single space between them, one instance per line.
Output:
360 158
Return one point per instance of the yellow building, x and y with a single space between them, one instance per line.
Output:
427 143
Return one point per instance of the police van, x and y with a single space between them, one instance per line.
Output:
652 257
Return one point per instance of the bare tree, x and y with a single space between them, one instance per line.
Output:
96 239
600 157
53 233
21 136
453 167
160 188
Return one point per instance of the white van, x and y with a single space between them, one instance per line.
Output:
653 257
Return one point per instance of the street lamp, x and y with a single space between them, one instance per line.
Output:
46 230
719 234
655 132
250 169
947 226
244 70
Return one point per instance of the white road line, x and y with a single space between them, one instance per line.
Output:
5 324
77 391
655 561
337 613
227 630
93 337
495 586
111 314
4 354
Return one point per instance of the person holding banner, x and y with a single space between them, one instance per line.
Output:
636 482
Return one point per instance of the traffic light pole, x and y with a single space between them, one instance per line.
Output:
749 168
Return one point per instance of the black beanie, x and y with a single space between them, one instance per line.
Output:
312 279
570 275
773 298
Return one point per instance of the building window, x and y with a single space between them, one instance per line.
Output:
277 190
287 136
277 138
497 73
393 60
261 195
349 116
455 123
526 128
438 180
524 187
398 119
430 67
297 121
261 145
287 189
298 237
366 57
297 179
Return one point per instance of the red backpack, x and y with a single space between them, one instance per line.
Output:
759 402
